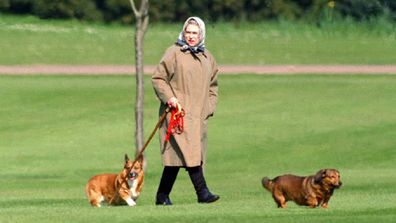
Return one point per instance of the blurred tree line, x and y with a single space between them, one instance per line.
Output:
210 10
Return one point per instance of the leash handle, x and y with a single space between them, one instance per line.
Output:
176 122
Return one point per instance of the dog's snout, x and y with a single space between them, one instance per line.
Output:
133 174
337 184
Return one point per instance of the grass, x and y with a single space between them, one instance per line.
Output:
28 40
57 131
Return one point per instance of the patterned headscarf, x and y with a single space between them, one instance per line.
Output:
201 45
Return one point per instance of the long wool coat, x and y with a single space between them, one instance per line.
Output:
192 79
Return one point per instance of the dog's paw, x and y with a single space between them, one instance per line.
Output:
130 202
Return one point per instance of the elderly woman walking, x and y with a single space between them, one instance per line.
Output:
187 77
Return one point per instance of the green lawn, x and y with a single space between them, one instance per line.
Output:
57 131
27 40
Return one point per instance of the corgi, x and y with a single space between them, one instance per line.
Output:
117 189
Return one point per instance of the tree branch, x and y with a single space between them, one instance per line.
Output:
137 14
145 24
144 7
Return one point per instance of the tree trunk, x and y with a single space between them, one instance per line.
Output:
140 30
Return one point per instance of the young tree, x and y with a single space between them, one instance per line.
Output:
142 20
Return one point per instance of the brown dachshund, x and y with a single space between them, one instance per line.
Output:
310 191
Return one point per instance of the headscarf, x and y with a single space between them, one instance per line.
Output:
201 45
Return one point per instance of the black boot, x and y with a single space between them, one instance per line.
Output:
167 180
198 180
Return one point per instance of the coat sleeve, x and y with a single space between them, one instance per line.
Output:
213 88
162 75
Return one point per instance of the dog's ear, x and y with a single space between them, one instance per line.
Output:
126 158
320 175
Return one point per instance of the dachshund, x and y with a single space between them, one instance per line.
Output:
309 191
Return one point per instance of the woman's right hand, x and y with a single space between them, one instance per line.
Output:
173 102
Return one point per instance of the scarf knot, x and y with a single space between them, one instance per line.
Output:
194 49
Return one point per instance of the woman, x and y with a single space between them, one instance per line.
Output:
186 76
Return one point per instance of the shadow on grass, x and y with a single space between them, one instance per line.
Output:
43 202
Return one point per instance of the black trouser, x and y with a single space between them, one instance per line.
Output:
198 180
169 176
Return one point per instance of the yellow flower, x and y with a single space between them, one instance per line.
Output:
331 4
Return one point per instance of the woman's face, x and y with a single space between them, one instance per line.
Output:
191 34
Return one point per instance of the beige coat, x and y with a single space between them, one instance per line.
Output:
193 81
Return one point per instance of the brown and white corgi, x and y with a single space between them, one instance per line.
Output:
117 189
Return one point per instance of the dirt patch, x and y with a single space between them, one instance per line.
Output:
224 69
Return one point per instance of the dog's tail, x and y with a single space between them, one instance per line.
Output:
267 183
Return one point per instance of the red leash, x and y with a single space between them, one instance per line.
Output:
176 123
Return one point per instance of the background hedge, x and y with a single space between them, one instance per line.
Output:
210 10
